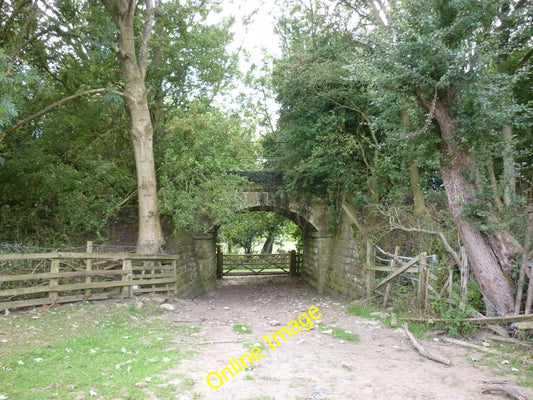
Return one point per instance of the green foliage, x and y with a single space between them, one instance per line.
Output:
249 229
454 316
191 59
199 149
323 143
67 174
463 52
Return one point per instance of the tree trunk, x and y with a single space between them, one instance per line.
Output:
416 190
524 266
414 176
509 172
455 162
269 243
150 235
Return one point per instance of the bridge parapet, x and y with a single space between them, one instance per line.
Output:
313 216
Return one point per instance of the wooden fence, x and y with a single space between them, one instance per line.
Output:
51 278
258 264
415 268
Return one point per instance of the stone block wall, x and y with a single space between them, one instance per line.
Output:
193 269
345 275
206 257
332 263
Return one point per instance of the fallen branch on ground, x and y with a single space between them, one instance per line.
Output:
477 320
221 341
509 390
470 345
422 351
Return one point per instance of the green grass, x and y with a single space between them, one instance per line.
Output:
78 351
513 360
242 328
250 345
363 310
418 329
339 333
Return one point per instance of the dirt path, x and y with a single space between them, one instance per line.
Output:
312 364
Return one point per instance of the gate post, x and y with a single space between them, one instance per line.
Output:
370 272
423 276
292 262
220 263
206 258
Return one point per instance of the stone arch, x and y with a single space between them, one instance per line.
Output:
310 218
330 259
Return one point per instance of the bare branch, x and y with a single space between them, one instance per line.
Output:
441 236
422 351
60 102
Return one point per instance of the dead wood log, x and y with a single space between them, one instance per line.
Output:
470 345
422 351
509 390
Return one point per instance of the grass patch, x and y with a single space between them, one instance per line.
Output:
242 328
339 333
418 329
186 330
363 310
513 360
101 351
250 345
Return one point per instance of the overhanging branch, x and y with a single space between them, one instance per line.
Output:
60 102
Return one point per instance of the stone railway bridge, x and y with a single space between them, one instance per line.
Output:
331 261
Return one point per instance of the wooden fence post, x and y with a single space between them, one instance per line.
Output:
88 267
423 281
465 277
292 262
54 268
127 291
174 275
370 263
393 263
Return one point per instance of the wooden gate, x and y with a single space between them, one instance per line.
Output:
258 264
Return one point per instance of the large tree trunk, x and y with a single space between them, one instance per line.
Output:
150 235
455 163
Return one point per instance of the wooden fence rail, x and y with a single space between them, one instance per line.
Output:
416 267
258 264
49 278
